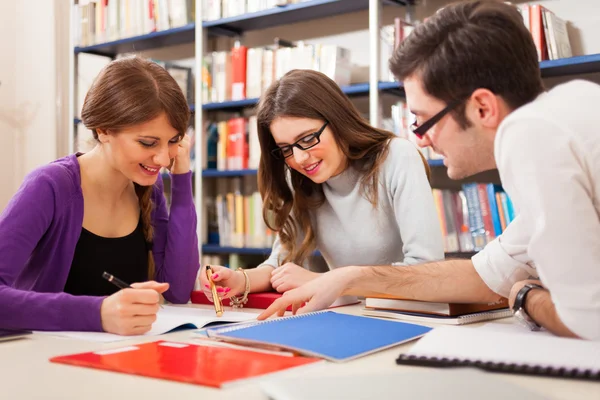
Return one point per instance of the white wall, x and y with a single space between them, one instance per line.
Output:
28 91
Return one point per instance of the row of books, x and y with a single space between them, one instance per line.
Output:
244 73
217 9
232 144
99 21
549 32
233 261
472 217
234 215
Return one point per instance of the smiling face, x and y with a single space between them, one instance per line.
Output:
319 163
465 151
139 151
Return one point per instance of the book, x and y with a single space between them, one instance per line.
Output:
323 334
263 300
449 384
440 319
185 362
426 307
527 353
168 318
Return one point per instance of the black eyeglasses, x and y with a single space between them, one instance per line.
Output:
304 143
422 129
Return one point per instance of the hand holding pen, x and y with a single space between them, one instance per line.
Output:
215 296
132 310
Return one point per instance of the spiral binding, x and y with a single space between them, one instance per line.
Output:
537 370
245 325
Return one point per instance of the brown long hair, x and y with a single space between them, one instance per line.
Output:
128 92
311 94
471 45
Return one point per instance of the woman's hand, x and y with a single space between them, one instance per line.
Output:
181 162
290 276
229 283
132 311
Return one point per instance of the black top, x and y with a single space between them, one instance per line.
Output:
124 257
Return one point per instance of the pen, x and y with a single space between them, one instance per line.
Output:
117 282
213 288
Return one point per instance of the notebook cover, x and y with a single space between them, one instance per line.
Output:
263 300
325 334
439 319
184 362
446 309
255 300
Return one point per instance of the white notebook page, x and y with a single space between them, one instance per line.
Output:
526 348
168 318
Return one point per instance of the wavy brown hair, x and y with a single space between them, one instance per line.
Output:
129 92
311 94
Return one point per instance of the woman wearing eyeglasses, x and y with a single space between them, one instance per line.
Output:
330 181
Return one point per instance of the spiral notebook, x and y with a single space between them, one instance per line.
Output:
527 353
324 334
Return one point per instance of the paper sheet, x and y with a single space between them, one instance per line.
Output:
167 319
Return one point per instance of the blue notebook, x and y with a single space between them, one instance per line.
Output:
324 334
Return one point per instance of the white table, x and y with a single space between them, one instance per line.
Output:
26 373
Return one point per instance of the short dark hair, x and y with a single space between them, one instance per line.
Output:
470 45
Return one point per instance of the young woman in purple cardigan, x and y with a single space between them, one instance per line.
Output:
104 210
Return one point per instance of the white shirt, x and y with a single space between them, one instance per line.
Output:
403 229
548 156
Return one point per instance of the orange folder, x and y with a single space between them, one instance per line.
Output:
185 362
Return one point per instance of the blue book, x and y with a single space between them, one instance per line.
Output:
323 334
491 191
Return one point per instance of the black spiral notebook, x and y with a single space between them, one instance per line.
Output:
528 353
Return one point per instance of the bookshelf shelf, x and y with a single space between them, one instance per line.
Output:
153 40
357 89
288 14
213 173
261 251
216 249
571 66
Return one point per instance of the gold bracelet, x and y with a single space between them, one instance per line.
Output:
237 302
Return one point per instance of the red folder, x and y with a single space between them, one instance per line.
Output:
184 362
255 300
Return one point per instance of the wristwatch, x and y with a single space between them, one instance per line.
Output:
519 307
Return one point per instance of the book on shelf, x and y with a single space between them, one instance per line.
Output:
235 211
549 32
435 308
245 73
104 21
217 9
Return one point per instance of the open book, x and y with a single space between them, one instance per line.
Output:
168 319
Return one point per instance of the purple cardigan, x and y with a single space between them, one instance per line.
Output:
39 230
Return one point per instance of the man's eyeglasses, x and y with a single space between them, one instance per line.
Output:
422 129
304 143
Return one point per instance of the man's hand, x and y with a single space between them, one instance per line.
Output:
518 286
290 276
316 294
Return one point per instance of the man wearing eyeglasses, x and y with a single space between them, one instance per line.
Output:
472 79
